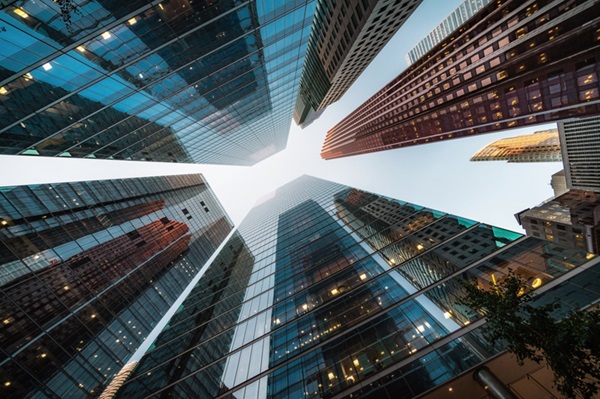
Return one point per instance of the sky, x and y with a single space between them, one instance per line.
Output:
437 176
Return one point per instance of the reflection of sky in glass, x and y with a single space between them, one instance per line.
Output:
400 310
236 371
254 105
504 236
81 71
88 243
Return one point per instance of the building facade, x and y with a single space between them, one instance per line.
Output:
456 18
180 81
580 146
571 219
88 269
542 146
326 291
346 37
558 182
513 64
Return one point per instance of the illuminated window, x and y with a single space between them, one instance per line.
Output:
588 94
587 79
20 13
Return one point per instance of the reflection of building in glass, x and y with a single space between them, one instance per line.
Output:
340 292
212 307
514 63
180 81
543 146
571 219
346 37
89 268
580 144
456 18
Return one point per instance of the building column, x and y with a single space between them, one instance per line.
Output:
492 385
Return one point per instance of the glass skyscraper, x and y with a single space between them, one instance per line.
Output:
88 269
326 291
176 81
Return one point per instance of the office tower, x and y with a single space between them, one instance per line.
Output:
175 81
513 64
456 18
542 146
559 183
346 37
580 146
88 269
328 291
571 219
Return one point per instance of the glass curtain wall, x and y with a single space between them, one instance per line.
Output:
87 269
326 291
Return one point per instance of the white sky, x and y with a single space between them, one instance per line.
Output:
436 175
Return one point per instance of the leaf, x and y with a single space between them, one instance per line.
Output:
569 346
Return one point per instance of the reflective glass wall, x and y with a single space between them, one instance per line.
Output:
177 81
328 291
87 270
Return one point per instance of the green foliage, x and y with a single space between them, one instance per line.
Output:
570 346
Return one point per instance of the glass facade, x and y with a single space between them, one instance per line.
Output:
88 269
513 64
176 81
326 291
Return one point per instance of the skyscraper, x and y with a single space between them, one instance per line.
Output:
456 18
346 37
88 269
176 81
326 291
572 218
580 146
542 146
515 63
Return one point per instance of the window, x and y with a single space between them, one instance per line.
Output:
587 79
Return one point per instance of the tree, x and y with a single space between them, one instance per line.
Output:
569 345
